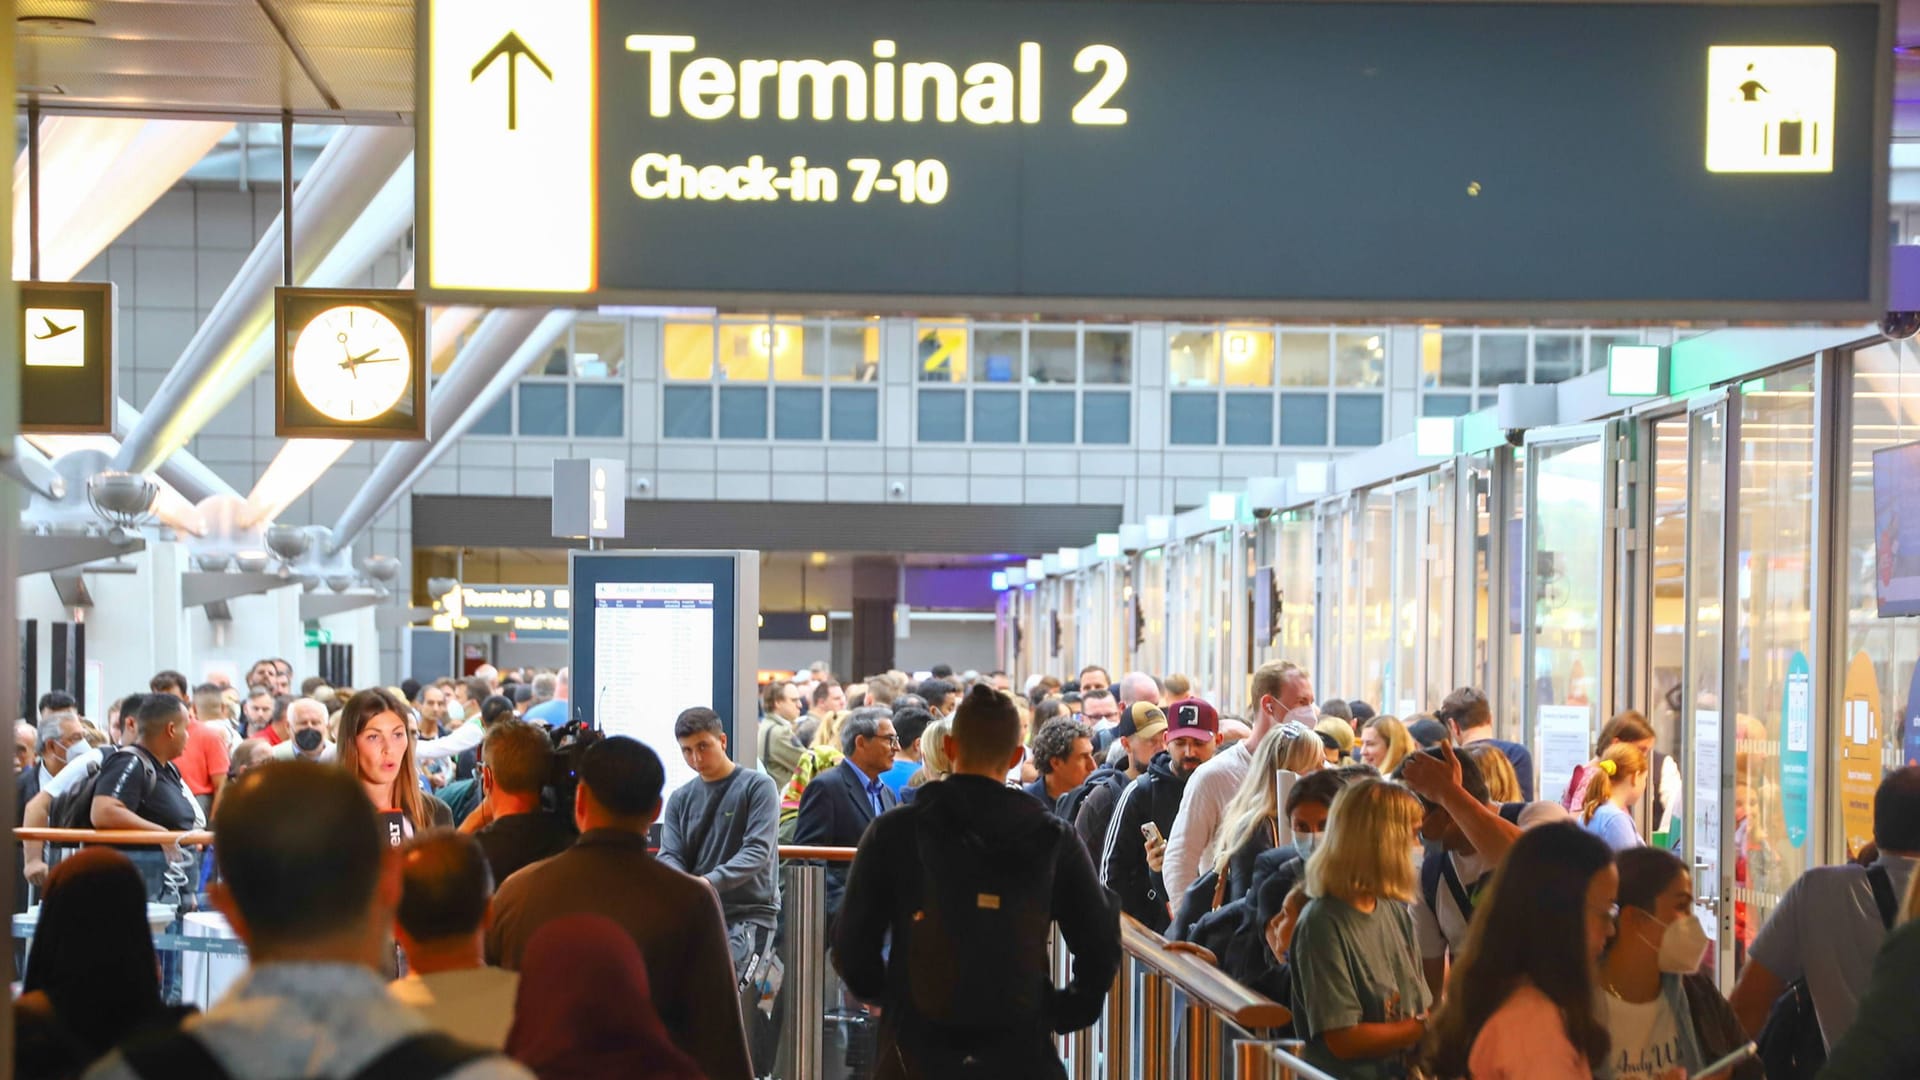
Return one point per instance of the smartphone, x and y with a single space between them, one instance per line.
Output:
1727 1062
1151 832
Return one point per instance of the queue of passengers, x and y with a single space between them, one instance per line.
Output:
1391 882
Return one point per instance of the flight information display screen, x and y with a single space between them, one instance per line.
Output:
653 658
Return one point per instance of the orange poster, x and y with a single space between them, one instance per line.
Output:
1860 757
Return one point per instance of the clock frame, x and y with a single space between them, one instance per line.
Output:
297 417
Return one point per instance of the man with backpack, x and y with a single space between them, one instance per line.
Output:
1466 836
138 789
1130 860
967 879
309 884
1142 730
1818 947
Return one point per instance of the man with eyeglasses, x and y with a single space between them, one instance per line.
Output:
838 805
780 748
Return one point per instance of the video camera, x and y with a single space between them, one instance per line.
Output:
570 741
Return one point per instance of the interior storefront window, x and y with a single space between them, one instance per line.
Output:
746 350
1051 356
1446 359
1503 359
1360 359
1109 357
940 352
1193 358
1248 356
689 350
1303 358
1000 355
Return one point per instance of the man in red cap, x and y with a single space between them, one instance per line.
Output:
1131 856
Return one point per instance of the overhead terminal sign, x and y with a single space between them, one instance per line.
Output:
1629 161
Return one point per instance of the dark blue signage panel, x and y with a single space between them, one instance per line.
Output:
1635 161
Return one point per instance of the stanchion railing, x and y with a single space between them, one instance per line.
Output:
1223 1028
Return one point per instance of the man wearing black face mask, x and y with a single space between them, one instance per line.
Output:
307 720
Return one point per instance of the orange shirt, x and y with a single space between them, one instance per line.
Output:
205 758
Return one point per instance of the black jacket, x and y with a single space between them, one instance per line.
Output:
835 812
884 892
1091 807
1155 797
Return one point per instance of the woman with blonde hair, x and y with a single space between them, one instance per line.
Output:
1251 822
375 748
934 765
1503 784
1384 742
822 753
1619 779
1359 997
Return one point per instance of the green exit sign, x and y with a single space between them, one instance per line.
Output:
319 637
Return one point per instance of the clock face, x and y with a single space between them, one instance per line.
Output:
352 363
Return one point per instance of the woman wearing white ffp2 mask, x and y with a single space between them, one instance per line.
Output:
1664 1017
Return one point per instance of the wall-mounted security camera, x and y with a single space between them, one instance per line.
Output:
898 489
1900 325
642 485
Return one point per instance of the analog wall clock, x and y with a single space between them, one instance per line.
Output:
351 364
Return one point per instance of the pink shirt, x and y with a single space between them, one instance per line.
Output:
1525 1039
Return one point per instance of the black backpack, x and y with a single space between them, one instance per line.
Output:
977 955
1069 806
426 1056
74 809
1791 1045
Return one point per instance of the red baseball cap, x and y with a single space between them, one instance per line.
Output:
1191 718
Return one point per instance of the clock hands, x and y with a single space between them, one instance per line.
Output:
352 363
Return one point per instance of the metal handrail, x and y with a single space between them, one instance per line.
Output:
121 837
790 852
1202 981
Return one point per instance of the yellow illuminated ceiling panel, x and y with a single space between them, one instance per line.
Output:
1770 108
510 123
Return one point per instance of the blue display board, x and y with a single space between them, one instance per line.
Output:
656 633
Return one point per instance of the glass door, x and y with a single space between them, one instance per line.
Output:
1567 496
1704 667
1437 544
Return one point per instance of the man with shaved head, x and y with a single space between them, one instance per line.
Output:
446 894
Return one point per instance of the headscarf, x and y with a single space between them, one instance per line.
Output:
93 949
585 1011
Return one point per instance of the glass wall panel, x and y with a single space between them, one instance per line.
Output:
1478 476
599 349
1402 696
796 412
1446 358
1194 419
1706 651
1437 558
1567 531
686 412
1511 722
1879 664
1050 416
996 416
1294 568
1556 357
1666 596
943 416
746 349
543 409
853 353
1376 601
1772 686
1359 420
743 412
1503 359
599 412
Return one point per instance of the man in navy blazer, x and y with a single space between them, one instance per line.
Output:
839 803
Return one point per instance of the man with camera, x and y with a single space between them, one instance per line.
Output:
510 824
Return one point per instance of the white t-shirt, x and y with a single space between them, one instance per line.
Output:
474 1005
1646 1038
1435 930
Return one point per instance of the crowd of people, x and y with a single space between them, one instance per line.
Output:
460 879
